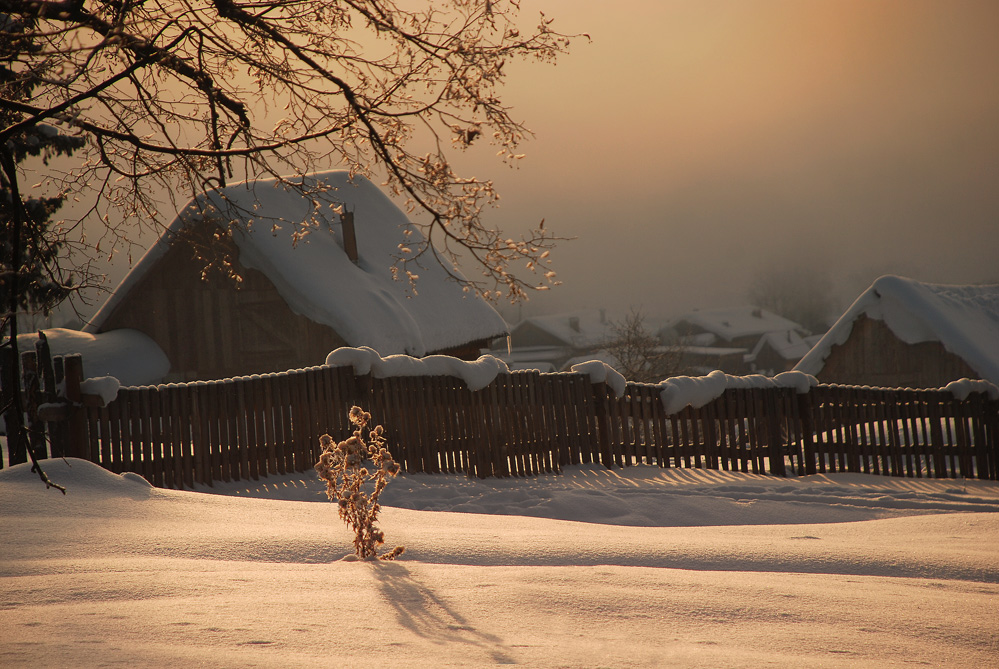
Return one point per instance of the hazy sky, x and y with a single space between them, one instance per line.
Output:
693 144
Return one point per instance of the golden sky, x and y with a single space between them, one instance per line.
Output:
693 143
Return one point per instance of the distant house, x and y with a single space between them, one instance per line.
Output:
903 333
300 296
549 342
736 340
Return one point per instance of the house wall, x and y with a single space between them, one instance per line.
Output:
771 362
210 329
874 356
529 335
695 364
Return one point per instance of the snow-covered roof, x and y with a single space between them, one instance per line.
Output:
128 355
363 303
582 329
789 345
964 319
733 322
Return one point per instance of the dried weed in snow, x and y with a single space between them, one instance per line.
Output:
342 466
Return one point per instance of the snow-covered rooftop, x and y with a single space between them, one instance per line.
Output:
964 319
362 302
733 322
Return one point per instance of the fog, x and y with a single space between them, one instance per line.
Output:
692 145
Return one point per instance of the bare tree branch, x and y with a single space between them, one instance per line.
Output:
181 95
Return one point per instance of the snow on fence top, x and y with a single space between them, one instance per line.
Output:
600 372
106 387
676 392
964 319
962 388
476 374
696 391
295 238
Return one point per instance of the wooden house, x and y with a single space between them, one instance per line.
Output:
314 261
902 333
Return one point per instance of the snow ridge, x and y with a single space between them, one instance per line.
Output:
476 374
696 391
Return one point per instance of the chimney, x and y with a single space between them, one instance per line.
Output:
349 235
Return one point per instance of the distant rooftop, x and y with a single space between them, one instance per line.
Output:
734 322
964 319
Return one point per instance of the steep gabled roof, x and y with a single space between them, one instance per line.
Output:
964 319
362 302
735 322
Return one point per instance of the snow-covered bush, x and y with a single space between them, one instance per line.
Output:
342 466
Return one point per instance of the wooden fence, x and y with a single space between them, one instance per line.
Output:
524 423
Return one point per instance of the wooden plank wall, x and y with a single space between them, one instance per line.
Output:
527 423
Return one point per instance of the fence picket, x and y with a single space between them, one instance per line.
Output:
161 401
908 434
936 438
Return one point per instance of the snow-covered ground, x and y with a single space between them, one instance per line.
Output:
641 567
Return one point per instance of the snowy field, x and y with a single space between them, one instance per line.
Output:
634 568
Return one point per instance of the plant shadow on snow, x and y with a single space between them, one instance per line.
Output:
420 610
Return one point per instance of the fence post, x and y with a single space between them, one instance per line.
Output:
807 421
990 442
36 428
774 408
77 432
17 449
601 409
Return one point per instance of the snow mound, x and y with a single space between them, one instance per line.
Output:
601 372
82 472
127 355
84 480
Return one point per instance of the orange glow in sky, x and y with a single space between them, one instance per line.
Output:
712 138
